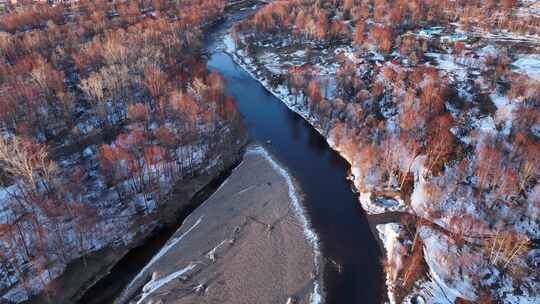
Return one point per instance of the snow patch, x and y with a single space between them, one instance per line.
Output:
170 244
373 204
154 285
389 235
529 64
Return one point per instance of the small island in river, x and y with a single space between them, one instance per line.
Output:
249 242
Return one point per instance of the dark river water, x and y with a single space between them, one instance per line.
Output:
332 208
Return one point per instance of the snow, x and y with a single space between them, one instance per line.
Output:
505 112
389 235
281 91
299 54
115 215
488 50
487 125
443 285
212 253
373 204
88 152
271 62
437 250
154 285
170 244
535 129
448 63
35 282
229 43
529 64
348 52
379 204
430 32
16 295
447 278
5 210
506 36
420 195
458 36
4 195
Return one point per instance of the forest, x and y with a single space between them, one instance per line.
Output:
104 108
424 100
108 113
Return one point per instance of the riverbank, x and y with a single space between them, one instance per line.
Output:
414 272
383 215
113 165
149 234
375 213
250 242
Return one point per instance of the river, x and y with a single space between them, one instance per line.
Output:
331 205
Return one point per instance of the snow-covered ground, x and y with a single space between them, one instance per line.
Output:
153 285
372 205
116 214
389 235
529 64
442 284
